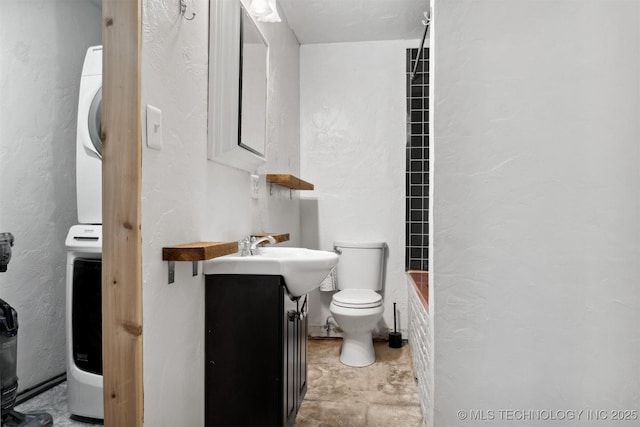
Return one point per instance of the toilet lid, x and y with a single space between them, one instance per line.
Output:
357 298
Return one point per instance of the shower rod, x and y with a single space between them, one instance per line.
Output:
426 22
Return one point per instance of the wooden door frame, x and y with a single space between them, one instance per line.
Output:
121 207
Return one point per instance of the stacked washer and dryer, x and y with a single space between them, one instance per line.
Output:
84 252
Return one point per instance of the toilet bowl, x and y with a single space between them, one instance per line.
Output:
358 307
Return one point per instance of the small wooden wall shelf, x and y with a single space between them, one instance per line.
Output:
194 252
289 181
198 251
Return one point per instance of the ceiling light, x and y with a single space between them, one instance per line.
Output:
264 10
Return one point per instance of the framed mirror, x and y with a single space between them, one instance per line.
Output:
238 80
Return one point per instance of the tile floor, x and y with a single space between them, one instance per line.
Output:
381 395
54 402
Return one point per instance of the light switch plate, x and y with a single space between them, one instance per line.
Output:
154 127
255 186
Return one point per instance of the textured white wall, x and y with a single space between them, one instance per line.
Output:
353 139
536 227
187 198
42 47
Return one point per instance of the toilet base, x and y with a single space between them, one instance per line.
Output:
357 349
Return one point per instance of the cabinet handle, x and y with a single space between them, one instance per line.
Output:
292 315
304 306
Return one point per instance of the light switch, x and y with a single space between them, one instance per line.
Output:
154 127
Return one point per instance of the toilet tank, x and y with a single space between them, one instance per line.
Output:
360 265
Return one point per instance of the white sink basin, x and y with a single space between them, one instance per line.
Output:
303 269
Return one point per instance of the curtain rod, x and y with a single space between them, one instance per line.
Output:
426 22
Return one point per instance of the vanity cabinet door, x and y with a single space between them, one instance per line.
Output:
291 361
303 337
243 350
296 356
255 351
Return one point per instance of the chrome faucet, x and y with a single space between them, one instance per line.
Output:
254 248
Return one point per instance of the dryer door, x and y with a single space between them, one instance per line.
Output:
95 122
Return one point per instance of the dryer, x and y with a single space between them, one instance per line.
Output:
84 321
89 141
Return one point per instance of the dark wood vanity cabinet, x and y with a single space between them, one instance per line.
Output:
255 351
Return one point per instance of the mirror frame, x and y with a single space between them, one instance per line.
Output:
224 88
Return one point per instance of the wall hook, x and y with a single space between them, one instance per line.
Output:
427 16
183 11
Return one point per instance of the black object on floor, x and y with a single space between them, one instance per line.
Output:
87 420
395 337
17 419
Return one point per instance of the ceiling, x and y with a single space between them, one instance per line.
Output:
334 21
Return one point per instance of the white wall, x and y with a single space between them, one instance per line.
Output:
353 139
42 48
187 198
536 208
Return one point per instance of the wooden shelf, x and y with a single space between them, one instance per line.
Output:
289 181
198 251
279 237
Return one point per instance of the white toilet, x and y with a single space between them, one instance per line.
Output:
357 308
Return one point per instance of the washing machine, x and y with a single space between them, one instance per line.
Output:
89 141
84 321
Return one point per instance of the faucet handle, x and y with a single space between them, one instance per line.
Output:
244 245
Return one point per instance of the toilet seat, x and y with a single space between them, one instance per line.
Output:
357 298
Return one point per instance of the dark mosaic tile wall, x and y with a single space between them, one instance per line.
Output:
417 176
